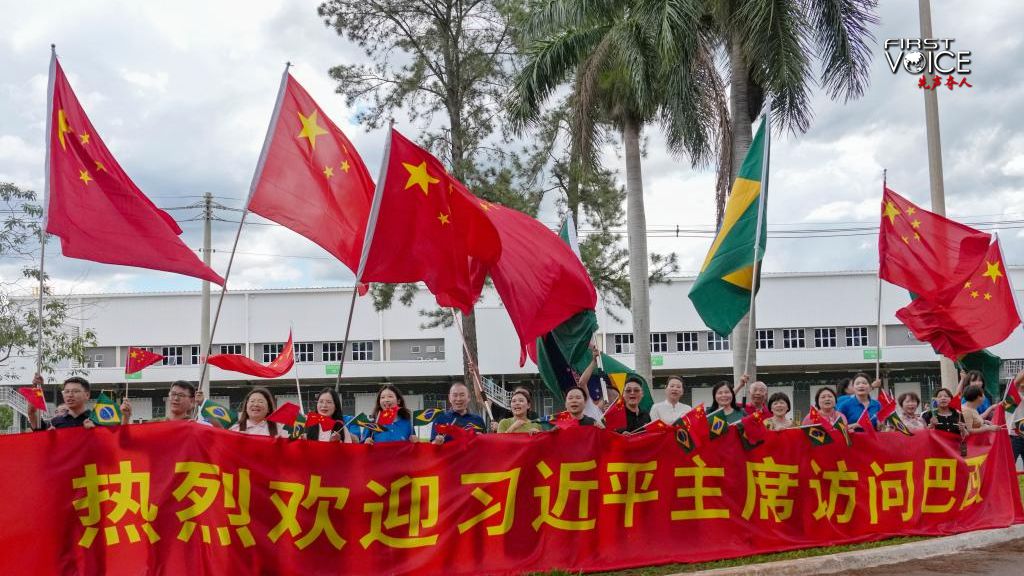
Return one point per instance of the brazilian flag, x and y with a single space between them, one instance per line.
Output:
844 429
817 434
897 424
617 373
1019 425
425 416
298 429
721 293
105 412
685 439
218 415
717 424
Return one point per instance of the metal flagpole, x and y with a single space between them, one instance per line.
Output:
878 296
295 369
46 209
241 222
371 226
766 117
474 370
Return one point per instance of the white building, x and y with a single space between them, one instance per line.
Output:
813 329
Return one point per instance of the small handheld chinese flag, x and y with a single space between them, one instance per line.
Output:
34 396
888 405
245 365
387 416
139 358
285 414
94 207
317 419
815 416
865 424
753 432
615 415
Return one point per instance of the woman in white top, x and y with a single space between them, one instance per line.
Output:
328 404
258 404
670 409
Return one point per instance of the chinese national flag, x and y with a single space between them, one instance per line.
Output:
34 396
888 407
816 418
312 179
239 363
615 415
94 207
428 228
925 253
865 424
541 281
286 414
982 314
139 358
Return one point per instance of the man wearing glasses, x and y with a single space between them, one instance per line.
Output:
76 397
181 400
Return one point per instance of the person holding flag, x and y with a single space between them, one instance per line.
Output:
909 402
1015 412
457 414
943 416
258 404
972 399
390 414
328 406
636 418
671 408
975 378
76 395
853 406
824 409
575 403
725 403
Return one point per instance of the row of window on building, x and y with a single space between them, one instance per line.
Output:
362 351
792 338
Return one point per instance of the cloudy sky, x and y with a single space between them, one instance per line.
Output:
182 93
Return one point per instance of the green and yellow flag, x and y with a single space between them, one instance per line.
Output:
721 293
717 424
106 412
218 415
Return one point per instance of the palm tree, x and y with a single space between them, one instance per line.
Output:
770 45
630 64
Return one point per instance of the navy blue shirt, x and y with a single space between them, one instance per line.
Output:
461 420
66 421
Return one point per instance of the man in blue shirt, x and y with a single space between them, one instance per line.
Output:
457 414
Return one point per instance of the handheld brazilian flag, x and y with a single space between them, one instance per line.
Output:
425 416
722 291
817 434
896 423
106 412
218 415
298 428
717 424
844 429
1019 426
685 439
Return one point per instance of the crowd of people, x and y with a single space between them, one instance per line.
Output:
846 402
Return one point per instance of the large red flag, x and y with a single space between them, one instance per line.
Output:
239 363
139 358
925 253
94 207
311 179
427 227
982 314
541 281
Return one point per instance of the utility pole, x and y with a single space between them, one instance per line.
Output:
938 193
204 336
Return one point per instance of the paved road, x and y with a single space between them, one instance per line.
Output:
1003 560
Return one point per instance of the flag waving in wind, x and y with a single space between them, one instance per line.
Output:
94 207
311 179
425 226
239 363
722 291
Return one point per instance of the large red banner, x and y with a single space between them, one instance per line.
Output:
179 498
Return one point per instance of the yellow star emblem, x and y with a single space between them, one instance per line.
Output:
911 210
99 166
905 239
967 284
310 128
83 138
916 224
443 218
418 175
891 211
135 354
485 206
62 128
328 172
992 270
974 294
83 175
988 296
917 236
345 166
